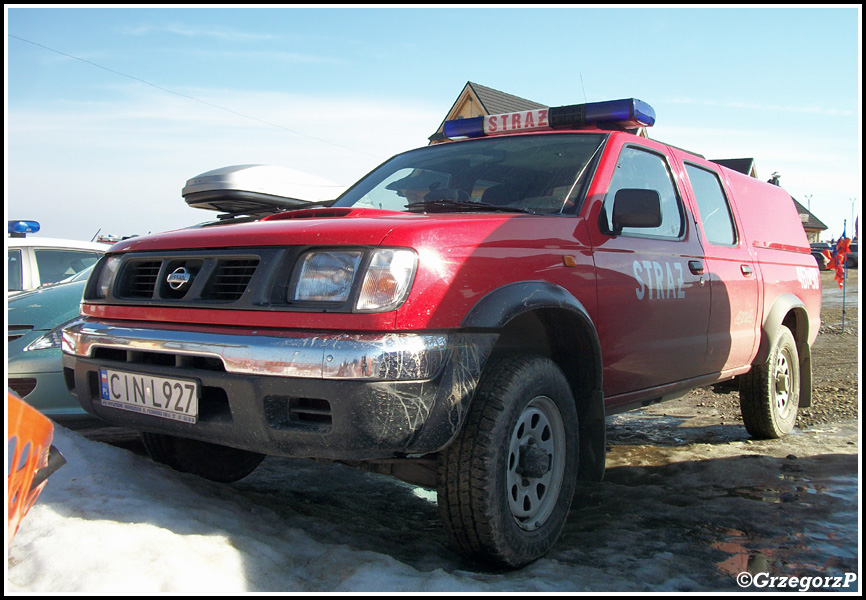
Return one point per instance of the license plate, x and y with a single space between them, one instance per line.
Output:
175 399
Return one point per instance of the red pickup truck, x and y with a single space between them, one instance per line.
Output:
464 317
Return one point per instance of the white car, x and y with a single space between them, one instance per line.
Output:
36 261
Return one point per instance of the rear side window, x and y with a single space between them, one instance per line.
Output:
645 170
56 265
713 206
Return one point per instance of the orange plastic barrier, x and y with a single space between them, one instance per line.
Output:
31 458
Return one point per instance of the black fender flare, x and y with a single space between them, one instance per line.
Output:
499 307
784 305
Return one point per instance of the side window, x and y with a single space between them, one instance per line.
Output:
56 265
713 205
640 169
13 271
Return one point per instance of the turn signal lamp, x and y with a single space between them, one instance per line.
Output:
628 113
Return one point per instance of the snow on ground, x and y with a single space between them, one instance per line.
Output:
113 522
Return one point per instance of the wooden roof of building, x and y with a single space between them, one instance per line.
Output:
479 100
496 102
476 100
809 220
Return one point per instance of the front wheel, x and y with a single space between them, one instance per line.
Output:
211 461
770 393
505 484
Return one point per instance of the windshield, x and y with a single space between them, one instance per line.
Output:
533 173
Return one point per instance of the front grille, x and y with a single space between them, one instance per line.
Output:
162 359
310 410
213 277
139 280
230 279
17 331
309 414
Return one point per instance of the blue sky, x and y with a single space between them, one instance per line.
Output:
168 93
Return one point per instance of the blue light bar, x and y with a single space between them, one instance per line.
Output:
464 128
628 113
22 228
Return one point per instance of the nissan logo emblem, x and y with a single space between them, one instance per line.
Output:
178 278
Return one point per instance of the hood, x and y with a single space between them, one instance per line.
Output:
320 226
46 308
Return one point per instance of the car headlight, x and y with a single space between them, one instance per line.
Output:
50 339
326 276
387 280
106 274
333 276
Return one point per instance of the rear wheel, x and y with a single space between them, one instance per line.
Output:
505 484
211 461
770 393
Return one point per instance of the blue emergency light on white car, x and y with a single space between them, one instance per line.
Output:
22 228
628 113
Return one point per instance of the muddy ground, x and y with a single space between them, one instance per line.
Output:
835 365
727 504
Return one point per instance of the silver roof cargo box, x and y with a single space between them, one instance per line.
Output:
253 189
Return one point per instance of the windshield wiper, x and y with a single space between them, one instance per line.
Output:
449 205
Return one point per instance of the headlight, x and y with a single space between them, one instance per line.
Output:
337 276
50 339
387 280
106 274
326 276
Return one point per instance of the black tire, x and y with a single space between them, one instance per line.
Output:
770 393
505 484
211 461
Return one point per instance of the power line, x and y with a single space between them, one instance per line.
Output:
193 98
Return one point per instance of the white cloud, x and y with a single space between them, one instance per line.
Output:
264 56
121 165
269 123
223 33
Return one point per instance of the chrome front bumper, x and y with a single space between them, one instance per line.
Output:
374 395
371 357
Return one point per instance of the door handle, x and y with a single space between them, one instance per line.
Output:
746 270
696 267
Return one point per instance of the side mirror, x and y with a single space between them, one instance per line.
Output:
636 208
